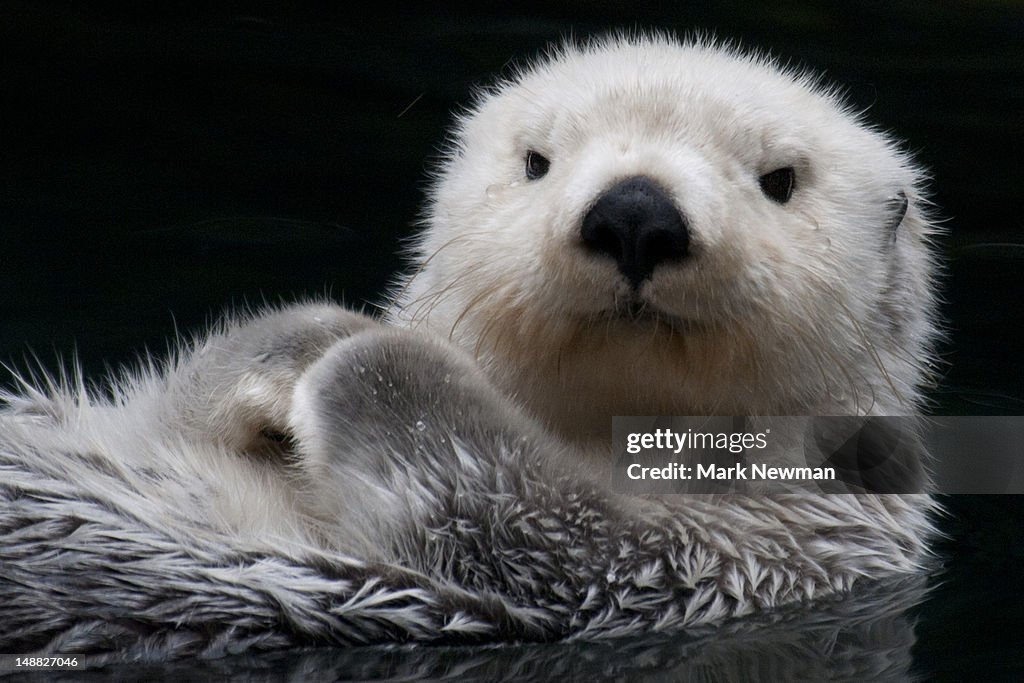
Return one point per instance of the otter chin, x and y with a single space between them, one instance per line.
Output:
640 226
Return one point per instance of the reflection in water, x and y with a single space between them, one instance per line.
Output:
865 636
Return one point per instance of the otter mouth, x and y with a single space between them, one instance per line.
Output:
643 315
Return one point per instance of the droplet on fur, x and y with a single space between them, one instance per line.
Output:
420 426
492 191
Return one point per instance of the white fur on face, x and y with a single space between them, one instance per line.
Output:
818 304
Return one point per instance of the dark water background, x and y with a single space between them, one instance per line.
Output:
157 167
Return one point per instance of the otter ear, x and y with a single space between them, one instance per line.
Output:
897 210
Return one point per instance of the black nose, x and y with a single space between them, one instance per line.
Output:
636 224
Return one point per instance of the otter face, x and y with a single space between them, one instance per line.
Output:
641 227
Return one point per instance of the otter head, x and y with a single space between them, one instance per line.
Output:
639 227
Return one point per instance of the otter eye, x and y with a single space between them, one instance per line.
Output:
536 165
778 185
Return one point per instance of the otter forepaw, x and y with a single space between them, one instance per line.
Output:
393 382
237 387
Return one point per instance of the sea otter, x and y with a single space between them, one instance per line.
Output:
631 226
